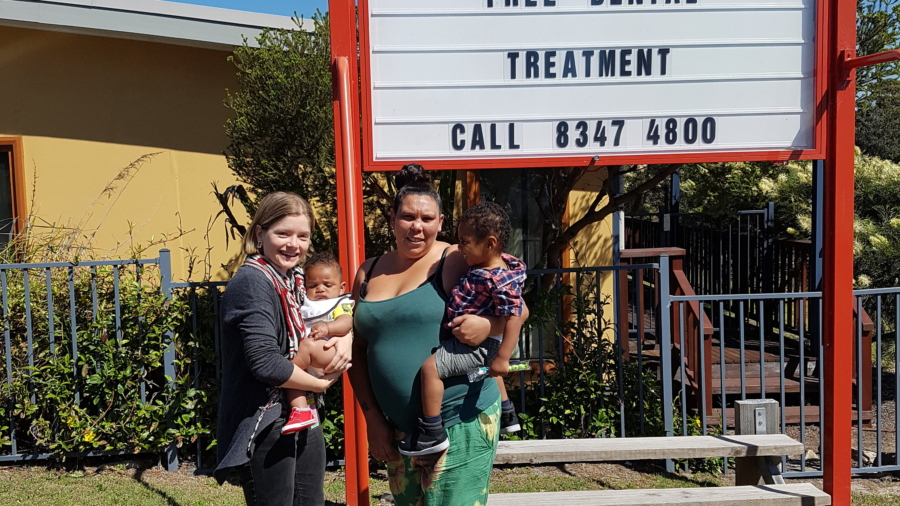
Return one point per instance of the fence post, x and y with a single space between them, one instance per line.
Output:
816 257
757 416
769 249
165 285
665 348
675 192
663 229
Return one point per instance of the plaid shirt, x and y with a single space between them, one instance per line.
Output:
496 292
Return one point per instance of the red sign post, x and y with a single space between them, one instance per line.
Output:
352 242
834 140
837 278
838 274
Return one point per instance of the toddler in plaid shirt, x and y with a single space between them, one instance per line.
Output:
492 287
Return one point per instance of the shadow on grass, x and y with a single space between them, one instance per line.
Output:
652 472
699 479
139 477
231 479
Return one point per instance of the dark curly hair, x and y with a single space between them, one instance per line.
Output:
488 219
413 180
324 259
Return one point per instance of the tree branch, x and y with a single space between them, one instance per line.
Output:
646 185
222 197
595 215
375 187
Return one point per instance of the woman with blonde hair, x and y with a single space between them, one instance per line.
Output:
261 331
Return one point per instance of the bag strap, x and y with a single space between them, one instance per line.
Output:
438 277
363 288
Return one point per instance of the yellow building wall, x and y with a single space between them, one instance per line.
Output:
86 107
593 247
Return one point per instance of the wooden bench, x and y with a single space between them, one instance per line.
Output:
757 458
800 494
552 451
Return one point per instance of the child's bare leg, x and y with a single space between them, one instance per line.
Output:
309 353
297 398
301 358
432 389
301 416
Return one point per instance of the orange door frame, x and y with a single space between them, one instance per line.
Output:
17 181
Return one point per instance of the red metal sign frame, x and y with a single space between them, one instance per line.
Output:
834 138
817 153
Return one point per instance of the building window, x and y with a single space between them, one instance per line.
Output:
511 189
10 199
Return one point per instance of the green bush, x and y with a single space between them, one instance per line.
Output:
582 397
722 189
94 403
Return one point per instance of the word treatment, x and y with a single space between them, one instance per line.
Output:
572 64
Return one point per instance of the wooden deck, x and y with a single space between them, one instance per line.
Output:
752 375
769 368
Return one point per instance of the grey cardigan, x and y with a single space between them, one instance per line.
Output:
254 348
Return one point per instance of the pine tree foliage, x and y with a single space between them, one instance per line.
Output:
878 121
282 133
878 88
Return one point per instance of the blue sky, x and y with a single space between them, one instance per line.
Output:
282 7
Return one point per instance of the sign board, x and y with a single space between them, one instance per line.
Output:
517 83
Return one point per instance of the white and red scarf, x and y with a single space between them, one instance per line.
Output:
292 291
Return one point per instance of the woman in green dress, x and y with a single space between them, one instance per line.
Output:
400 318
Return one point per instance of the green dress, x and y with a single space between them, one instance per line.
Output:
401 333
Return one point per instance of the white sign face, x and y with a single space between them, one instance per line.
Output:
484 79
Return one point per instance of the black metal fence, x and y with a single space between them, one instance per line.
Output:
203 326
573 329
725 255
49 311
587 378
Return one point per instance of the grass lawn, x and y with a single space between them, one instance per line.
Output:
115 485
875 500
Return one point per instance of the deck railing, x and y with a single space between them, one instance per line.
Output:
728 254
750 356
